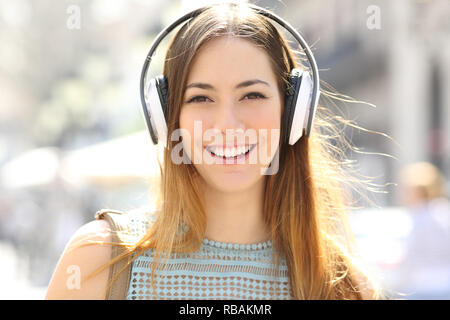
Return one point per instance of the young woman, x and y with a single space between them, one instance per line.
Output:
226 229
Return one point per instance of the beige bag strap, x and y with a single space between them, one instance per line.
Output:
118 222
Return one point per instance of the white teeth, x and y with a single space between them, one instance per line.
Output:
229 152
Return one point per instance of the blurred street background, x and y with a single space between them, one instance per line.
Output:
72 137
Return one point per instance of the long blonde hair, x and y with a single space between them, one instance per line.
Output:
307 215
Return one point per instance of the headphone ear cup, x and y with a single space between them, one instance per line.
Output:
147 110
155 109
290 102
163 92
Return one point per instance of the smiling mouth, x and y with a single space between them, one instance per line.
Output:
228 155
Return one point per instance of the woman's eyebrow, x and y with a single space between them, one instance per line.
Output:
207 86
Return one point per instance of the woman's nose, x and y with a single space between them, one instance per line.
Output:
227 117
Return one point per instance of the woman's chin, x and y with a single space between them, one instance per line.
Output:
232 181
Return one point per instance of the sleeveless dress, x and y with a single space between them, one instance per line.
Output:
218 270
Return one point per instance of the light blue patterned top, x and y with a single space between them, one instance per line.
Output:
217 271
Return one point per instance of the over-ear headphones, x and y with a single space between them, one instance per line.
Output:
301 97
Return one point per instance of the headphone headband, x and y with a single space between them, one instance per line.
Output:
264 12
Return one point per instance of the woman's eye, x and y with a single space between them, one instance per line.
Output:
250 96
196 99
255 94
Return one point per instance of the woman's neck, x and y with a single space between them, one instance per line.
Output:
236 217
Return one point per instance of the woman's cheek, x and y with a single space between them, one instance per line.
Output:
268 130
187 130
193 126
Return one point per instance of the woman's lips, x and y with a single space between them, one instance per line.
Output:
228 146
232 160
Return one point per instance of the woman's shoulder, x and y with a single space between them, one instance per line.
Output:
90 248
86 251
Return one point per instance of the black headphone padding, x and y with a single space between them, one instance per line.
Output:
163 91
290 101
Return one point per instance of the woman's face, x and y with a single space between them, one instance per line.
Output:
224 113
